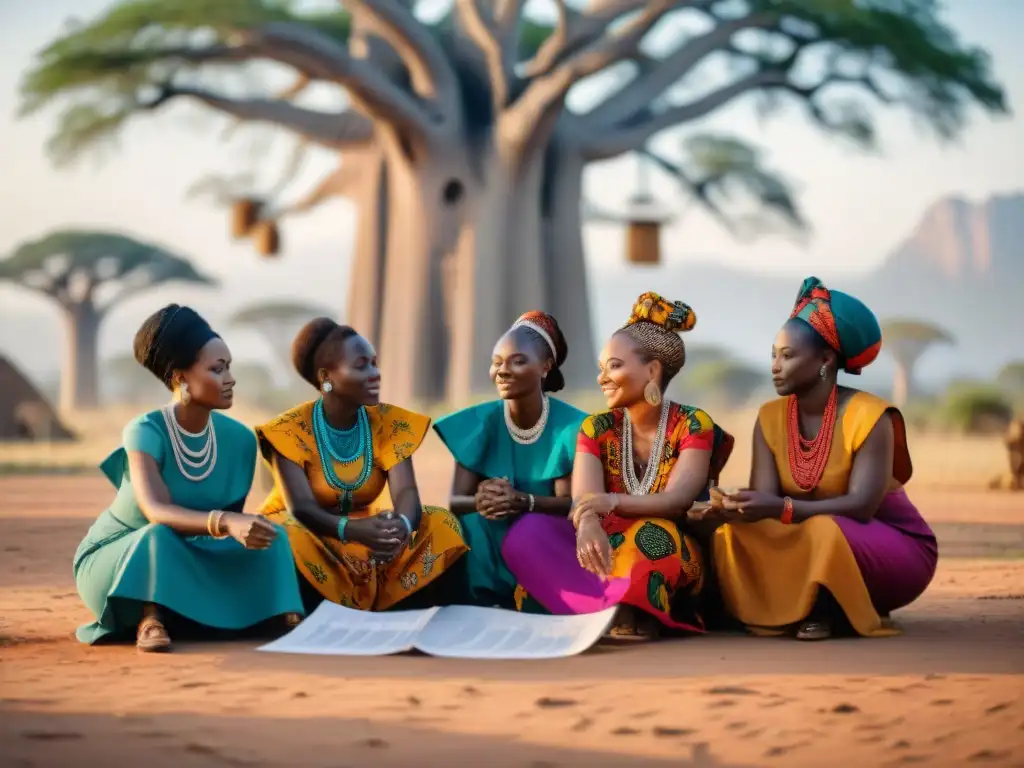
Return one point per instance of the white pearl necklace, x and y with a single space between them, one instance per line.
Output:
186 457
531 435
636 487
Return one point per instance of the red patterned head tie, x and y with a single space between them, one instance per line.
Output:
814 306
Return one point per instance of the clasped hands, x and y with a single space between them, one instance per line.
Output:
384 534
496 499
742 505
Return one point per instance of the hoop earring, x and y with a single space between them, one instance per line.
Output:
183 394
823 372
652 393
327 386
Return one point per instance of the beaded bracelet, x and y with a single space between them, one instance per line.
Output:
786 518
342 523
532 501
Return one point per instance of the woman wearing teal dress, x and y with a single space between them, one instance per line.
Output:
513 456
175 542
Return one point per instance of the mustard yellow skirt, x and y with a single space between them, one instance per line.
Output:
343 573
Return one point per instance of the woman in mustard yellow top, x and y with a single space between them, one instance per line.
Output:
333 459
826 534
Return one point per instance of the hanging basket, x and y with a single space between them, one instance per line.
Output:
244 214
266 237
643 242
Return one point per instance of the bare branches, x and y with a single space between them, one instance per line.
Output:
432 73
335 130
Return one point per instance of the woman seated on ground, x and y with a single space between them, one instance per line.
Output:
175 542
638 469
513 456
827 534
333 458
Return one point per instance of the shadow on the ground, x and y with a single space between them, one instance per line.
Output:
183 740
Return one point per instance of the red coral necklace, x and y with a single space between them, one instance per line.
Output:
807 458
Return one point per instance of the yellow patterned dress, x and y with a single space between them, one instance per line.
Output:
343 573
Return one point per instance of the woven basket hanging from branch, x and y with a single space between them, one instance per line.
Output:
244 214
267 238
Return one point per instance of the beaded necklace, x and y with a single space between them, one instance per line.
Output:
345 446
807 458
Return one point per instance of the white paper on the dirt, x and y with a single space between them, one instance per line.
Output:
466 632
334 630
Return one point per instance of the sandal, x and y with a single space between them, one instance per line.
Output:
635 628
292 620
152 636
814 629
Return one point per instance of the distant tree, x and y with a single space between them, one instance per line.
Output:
125 381
731 382
277 321
1011 379
979 409
906 341
88 274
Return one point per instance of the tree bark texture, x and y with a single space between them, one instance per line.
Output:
79 385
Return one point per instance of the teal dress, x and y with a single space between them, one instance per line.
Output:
479 440
125 561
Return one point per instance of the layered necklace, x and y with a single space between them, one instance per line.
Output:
531 435
345 446
194 466
643 487
807 458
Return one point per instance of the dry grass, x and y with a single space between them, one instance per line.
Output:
940 461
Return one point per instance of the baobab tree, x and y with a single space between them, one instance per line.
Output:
906 341
460 147
88 274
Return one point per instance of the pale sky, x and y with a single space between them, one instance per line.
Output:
861 206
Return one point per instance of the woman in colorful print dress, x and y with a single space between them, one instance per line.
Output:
513 456
638 469
175 544
826 535
333 460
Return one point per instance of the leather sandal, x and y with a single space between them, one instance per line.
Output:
152 636
814 629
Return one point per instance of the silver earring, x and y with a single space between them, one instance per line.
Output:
327 387
184 395
823 372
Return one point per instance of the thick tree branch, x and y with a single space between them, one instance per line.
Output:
488 39
432 73
634 99
334 130
616 141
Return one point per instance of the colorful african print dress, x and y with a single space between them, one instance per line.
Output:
655 566
770 574
479 440
125 561
343 572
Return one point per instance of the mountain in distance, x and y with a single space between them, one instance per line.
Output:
960 268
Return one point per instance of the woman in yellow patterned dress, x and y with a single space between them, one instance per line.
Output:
336 460
638 469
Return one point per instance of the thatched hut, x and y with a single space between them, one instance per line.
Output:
24 412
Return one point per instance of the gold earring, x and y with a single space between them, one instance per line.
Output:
652 393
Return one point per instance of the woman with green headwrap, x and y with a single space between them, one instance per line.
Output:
825 535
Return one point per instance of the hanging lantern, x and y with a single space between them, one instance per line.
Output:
267 238
244 213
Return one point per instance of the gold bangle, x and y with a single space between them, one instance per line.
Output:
213 521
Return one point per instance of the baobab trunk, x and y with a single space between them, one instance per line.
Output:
79 385
366 277
565 264
901 384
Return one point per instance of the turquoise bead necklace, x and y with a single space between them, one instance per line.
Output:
345 446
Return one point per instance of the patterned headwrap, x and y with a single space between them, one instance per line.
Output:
655 324
170 340
844 322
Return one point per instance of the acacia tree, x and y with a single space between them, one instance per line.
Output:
459 146
88 274
906 341
277 321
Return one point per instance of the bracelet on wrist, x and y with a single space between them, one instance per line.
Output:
531 502
213 524
342 524
786 518
408 525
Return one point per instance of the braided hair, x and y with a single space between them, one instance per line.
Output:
654 326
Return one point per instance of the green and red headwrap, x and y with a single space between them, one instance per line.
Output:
844 322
